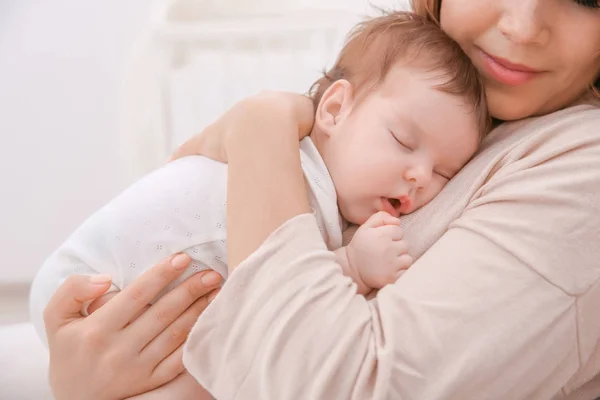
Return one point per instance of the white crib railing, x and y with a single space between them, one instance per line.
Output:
217 63
191 66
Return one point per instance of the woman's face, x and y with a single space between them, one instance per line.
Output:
536 56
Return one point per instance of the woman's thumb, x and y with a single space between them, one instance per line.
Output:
69 298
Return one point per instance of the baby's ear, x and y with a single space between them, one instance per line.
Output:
335 105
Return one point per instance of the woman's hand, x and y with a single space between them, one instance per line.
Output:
268 111
184 387
119 350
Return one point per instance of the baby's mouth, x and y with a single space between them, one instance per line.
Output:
401 205
395 203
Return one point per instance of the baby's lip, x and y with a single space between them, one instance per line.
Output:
406 204
389 208
404 207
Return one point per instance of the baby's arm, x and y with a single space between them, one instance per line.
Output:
377 254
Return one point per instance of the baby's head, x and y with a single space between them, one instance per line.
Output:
400 113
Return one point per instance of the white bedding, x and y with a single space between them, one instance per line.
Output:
23 364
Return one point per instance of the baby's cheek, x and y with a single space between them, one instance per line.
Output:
355 196
430 193
352 210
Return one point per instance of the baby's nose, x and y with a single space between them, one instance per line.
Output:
420 176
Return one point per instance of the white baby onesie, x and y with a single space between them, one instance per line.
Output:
179 207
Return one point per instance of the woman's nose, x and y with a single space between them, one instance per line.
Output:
525 21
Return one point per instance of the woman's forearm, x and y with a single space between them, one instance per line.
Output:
266 185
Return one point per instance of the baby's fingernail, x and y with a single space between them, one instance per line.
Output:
180 261
211 278
100 279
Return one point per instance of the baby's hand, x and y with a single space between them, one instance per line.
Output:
377 253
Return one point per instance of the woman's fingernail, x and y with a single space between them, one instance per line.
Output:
100 279
211 278
180 261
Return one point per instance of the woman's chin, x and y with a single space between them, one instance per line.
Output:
509 107
504 108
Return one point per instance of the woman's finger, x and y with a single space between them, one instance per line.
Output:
173 304
213 294
67 302
175 334
169 367
128 303
100 301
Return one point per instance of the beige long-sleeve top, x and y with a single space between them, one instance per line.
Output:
502 302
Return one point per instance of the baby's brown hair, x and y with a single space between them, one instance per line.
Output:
376 45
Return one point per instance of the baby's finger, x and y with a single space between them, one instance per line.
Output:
400 273
381 219
400 247
404 261
391 232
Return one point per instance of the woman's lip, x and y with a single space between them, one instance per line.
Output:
507 72
509 65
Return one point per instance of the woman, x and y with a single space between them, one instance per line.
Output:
499 305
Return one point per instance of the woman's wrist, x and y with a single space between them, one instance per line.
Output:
268 116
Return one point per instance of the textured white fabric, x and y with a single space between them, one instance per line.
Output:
180 207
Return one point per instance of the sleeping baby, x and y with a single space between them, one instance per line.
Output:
398 115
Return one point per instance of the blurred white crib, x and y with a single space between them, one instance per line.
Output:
199 57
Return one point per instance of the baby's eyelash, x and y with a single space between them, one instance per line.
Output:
443 176
400 142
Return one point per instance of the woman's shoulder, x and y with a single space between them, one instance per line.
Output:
543 196
568 135
581 120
